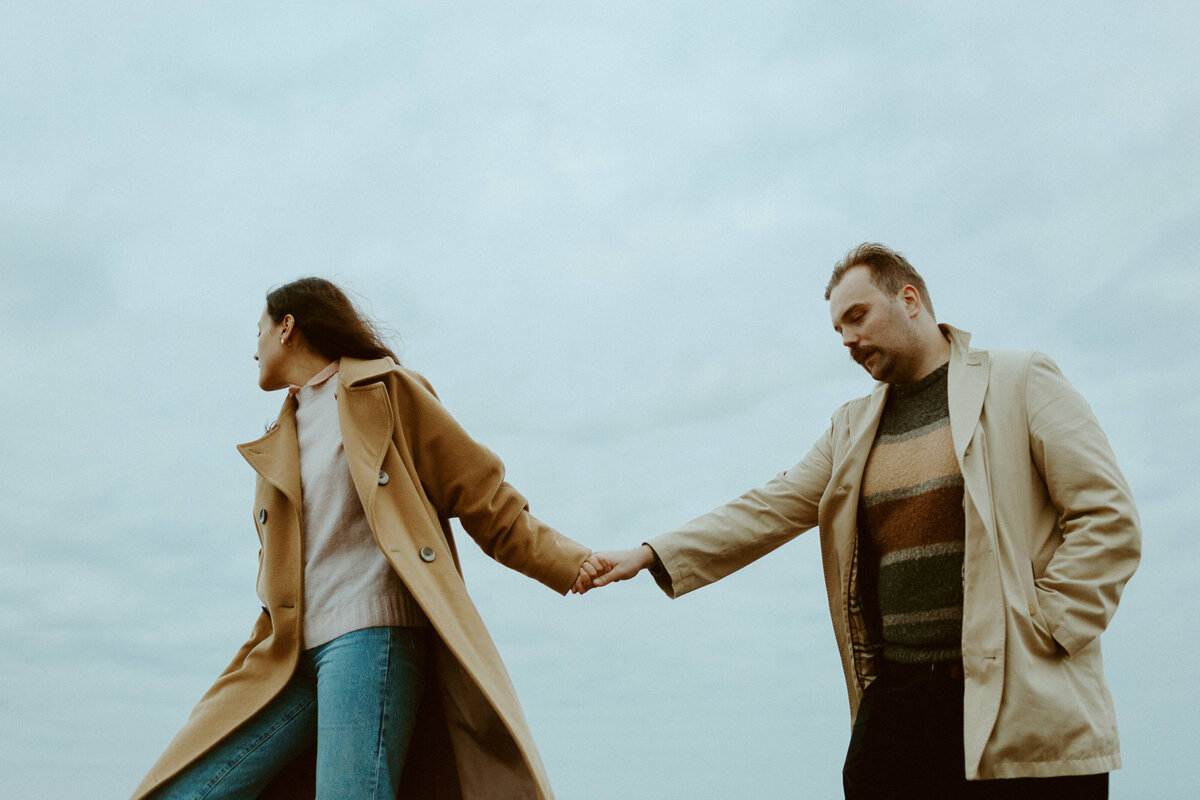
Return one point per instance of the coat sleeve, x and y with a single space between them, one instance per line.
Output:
1101 534
464 479
728 538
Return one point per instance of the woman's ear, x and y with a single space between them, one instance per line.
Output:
287 325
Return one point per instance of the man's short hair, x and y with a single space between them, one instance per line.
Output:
890 271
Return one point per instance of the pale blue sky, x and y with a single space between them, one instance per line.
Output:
602 231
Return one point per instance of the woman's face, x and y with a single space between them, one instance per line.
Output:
271 353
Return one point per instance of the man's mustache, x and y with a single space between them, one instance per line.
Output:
861 354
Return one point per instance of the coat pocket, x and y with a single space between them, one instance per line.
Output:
1040 639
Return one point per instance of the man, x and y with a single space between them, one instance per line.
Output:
976 534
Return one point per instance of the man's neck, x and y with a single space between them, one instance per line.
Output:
935 353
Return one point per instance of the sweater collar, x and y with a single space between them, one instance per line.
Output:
330 370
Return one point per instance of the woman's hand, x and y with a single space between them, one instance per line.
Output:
601 569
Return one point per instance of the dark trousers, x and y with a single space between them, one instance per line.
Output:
907 742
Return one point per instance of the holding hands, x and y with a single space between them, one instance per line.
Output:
611 566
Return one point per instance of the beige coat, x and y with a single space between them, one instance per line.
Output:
414 468
1052 536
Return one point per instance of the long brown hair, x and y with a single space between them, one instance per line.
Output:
330 323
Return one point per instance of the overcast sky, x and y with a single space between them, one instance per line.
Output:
602 231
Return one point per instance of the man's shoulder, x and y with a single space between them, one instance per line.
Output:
1030 374
852 409
1015 363
999 360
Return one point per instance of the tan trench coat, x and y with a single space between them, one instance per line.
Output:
1052 536
414 468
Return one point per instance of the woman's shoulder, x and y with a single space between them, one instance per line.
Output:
358 371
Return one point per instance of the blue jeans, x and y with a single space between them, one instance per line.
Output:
357 695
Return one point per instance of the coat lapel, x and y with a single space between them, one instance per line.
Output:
862 430
863 422
967 381
276 455
366 427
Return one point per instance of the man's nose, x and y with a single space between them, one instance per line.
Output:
849 337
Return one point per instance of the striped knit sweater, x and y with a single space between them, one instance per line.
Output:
911 527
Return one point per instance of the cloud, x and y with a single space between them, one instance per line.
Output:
603 234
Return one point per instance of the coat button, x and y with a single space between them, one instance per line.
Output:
427 554
1032 610
262 516
383 478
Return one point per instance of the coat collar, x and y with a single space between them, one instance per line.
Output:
366 429
959 339
357 371
967 385
276 454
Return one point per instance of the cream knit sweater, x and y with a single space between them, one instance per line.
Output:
348 582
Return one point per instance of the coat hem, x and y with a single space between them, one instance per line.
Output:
1051 769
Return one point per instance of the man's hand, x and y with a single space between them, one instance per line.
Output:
601 569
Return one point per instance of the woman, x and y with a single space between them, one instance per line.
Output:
369 673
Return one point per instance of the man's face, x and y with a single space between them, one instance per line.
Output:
879 330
